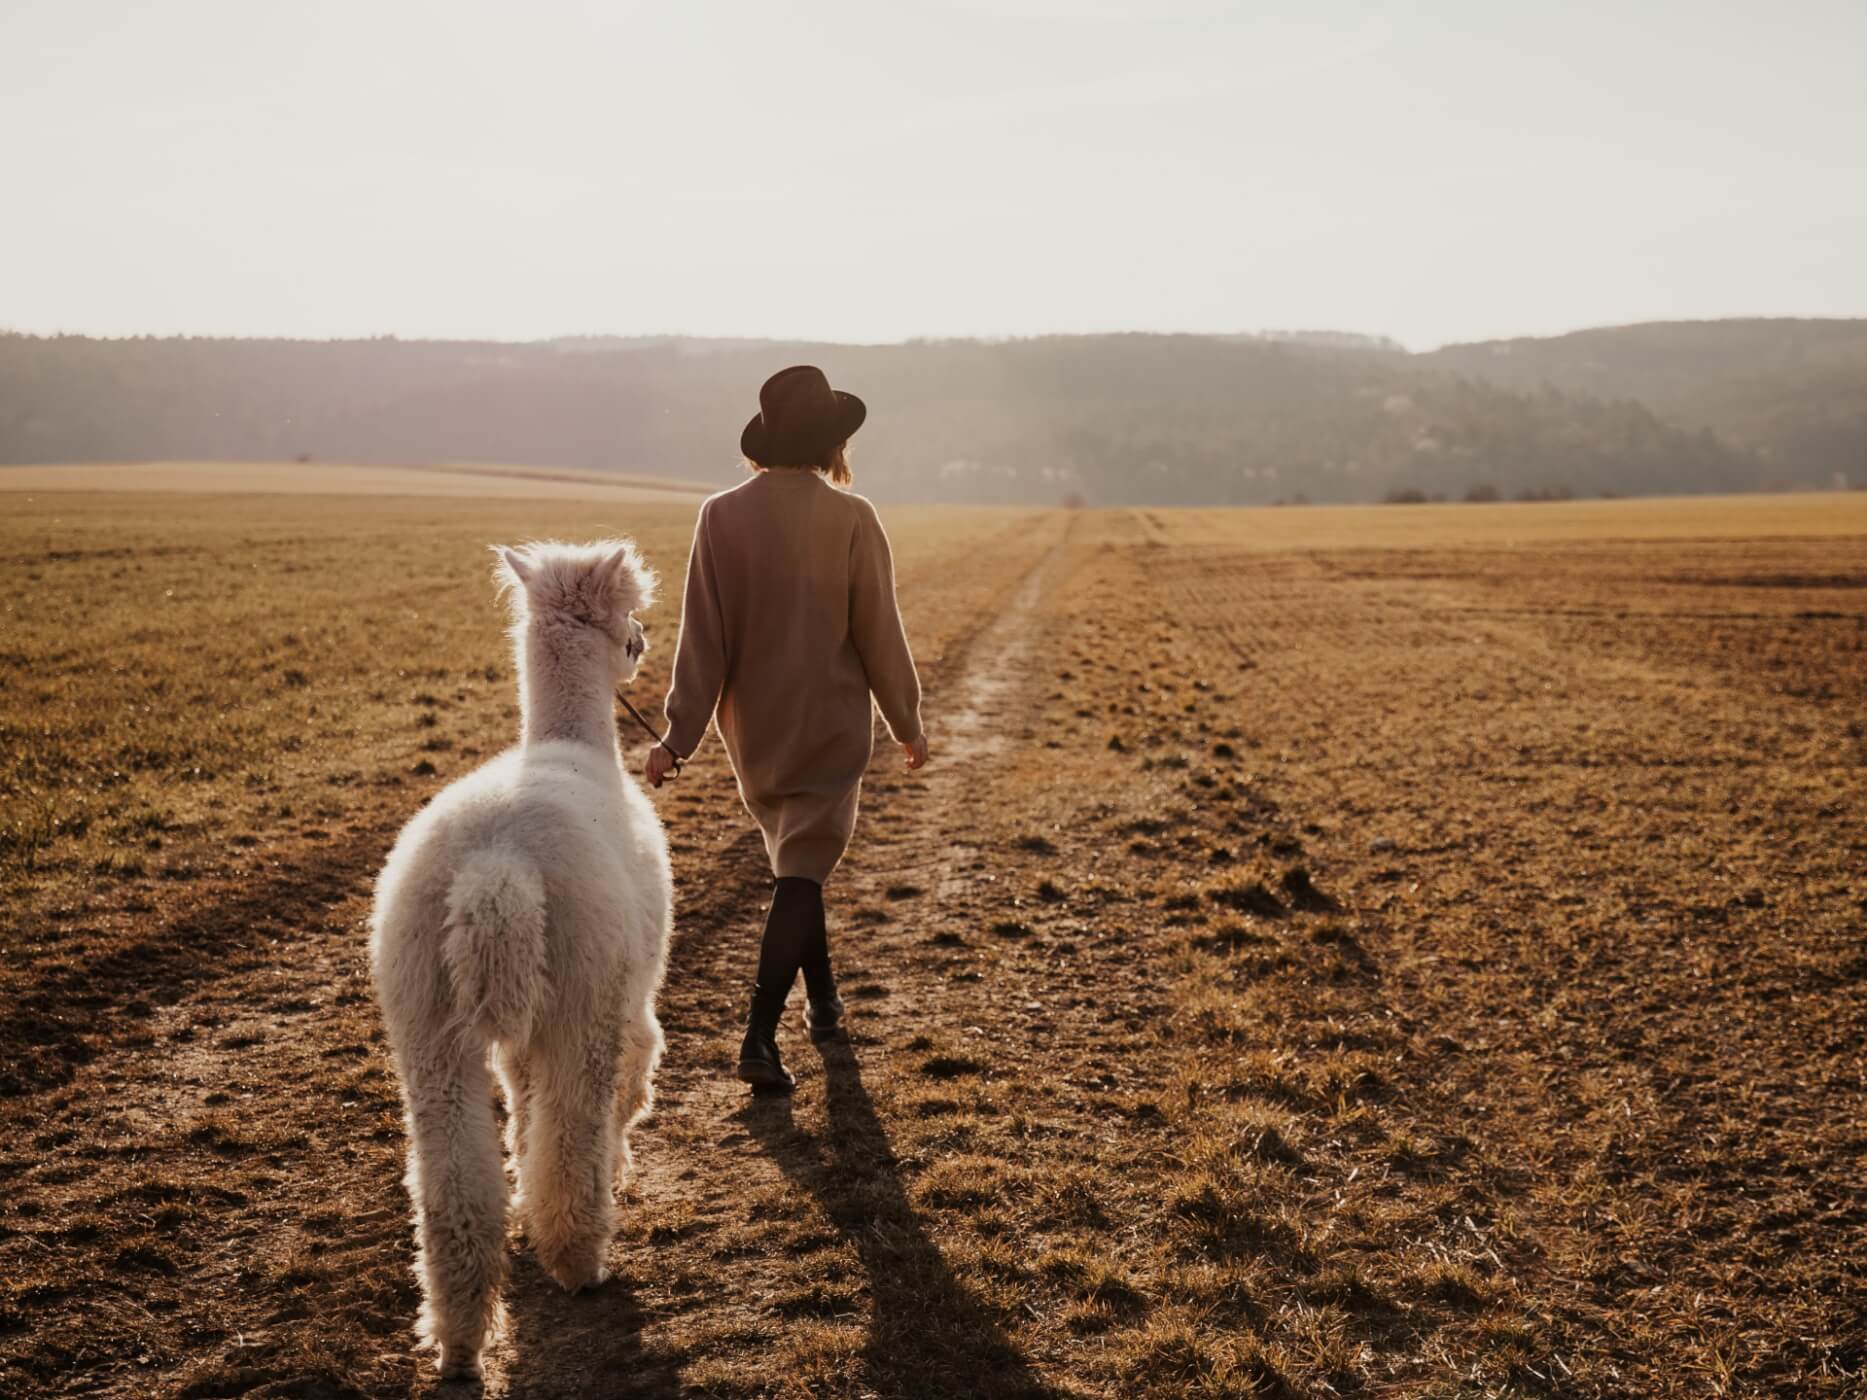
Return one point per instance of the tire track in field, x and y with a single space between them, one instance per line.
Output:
710 1147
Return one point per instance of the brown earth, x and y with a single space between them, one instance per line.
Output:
1325 957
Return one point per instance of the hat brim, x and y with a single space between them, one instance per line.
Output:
800 451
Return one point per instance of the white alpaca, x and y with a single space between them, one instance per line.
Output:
525 912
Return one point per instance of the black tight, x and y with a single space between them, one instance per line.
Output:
795 937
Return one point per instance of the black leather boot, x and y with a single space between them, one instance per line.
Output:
823 1008
824 1019
760 1065
790 923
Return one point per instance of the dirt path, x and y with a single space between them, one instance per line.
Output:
712 1157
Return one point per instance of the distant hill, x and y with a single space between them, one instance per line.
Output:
1794 392
1326 416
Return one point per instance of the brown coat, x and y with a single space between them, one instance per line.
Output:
789 625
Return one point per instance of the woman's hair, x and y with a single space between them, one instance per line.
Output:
835 469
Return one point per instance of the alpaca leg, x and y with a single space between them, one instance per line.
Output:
515 1074
570 1163
635 1088
459 1191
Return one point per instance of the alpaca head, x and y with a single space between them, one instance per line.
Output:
576 603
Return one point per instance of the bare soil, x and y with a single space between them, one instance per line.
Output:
1428 965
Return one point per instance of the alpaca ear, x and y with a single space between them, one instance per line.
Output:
631 582
516 565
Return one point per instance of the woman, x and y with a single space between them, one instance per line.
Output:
789 625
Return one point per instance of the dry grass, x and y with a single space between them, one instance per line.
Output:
1311 967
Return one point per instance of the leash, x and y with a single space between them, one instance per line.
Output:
650 730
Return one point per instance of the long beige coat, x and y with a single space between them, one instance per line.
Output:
788 627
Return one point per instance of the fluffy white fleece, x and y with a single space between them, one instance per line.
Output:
523 919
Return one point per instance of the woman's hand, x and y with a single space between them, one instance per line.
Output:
658 765
916 751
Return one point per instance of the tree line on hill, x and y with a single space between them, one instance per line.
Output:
1793 393
1110 419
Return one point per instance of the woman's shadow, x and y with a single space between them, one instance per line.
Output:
928 1335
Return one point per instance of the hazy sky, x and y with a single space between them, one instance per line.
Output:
880 170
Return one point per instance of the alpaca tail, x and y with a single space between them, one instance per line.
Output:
495 943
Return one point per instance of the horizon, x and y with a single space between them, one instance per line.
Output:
1441 174
1268 336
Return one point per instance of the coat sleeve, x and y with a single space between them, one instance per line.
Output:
875 623
700 655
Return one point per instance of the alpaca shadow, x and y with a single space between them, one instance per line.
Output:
78 1007
563 1344
929 1336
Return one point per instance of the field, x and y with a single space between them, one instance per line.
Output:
1414 951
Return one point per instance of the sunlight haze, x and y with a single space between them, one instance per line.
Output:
1433 172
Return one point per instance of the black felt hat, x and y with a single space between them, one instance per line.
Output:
801 419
